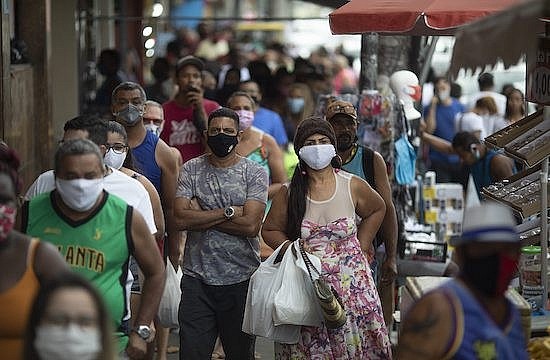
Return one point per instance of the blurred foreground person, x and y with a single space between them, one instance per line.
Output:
469 317
25 263
69 321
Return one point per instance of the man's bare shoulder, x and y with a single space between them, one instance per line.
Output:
427 328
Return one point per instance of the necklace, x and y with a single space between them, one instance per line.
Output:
352 154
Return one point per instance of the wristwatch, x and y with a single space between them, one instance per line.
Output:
143 331
229 212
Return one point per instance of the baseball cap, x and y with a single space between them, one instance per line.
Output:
489 222
340 107
189 60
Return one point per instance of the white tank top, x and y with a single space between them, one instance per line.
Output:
339 205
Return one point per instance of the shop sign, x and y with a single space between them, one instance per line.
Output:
538 73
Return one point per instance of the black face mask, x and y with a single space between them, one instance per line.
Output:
222 144
345 141
490 274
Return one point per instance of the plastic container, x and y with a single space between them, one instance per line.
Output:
530 276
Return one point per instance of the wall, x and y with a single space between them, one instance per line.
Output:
64 64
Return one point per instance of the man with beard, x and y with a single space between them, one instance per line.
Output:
370 166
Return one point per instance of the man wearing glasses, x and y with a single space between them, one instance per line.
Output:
220 201
115 182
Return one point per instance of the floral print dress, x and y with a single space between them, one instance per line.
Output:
345 268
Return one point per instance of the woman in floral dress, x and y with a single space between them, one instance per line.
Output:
320 206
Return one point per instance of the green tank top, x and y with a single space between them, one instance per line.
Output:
98 247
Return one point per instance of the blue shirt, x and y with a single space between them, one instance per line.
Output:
270 122
445 128
355 165
476 334
145 162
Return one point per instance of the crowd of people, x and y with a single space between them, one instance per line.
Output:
214 167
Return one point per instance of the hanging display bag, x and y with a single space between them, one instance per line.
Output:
331 306
405 161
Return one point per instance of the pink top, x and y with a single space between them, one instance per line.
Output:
179 130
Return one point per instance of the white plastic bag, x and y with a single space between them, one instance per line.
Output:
295 301
258 313
171 297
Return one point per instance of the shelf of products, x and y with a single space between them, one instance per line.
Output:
521 192
527 140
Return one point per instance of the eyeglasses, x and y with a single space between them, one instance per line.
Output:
65 320
117 148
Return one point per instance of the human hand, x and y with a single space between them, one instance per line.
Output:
388 271
195 96
137 347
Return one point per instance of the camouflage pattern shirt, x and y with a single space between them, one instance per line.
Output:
215 257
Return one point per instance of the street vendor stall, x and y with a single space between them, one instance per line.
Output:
525 31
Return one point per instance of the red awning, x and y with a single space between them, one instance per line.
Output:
411 17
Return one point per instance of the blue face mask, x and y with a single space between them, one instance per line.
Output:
296 105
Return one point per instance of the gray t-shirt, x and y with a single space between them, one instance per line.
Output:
215 257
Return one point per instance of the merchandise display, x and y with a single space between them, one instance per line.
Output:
444 209
521 192
527 140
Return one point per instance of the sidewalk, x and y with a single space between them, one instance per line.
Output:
264 348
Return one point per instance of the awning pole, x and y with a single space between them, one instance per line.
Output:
369 61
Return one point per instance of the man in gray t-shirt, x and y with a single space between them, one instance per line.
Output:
220 201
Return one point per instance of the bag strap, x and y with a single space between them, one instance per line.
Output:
368 166
307 261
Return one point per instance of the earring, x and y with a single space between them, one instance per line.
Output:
301 170
336 163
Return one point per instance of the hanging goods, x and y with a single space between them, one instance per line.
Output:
331 305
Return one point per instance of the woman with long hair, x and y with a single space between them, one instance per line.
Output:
515 106
319 209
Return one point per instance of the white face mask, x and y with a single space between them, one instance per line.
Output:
444 95
54 342
113 159
246 117
317 156
155 129
79 194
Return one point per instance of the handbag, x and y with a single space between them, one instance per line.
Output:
331 304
